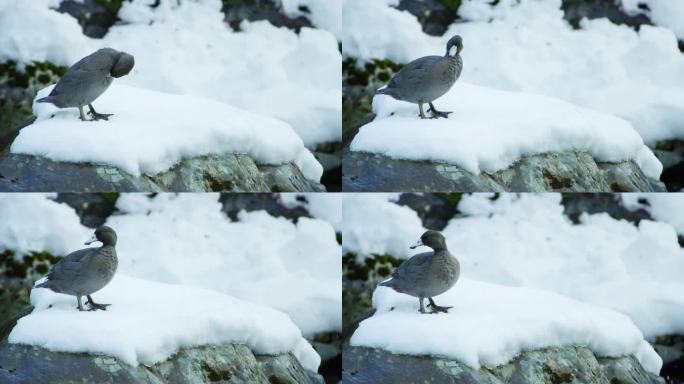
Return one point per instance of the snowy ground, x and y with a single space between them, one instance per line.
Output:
526 241
151 131
528 47
490 324
186 48
148 322
185 239
489 130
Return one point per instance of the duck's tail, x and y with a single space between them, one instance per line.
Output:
47 99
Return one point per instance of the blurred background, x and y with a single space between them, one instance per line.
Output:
278 250
621 57
619 251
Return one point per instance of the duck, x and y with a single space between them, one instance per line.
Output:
89 78
427 274
86 271
428 78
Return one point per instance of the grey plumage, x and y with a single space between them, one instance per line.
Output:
89 78
86 271
425 79
428 274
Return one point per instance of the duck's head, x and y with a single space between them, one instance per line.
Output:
432 239
103 234
455 41
123 63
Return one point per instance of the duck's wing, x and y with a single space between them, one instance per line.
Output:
94 66
415 266
415 73
71 265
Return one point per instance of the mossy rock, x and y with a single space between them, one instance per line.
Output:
18 88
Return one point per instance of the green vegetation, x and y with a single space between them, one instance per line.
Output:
112 6
451 4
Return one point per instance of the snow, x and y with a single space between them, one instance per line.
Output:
262 68
666 13
527 47
495 323
150 132
24 236
295 268
373 224
490 129
665 207
148 322
324 206
525 240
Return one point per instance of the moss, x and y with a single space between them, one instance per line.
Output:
112 6
31 265
44 72
450 198
451 4
110 197
374 267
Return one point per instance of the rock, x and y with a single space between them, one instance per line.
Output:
671 154
551 365
671 350
572 171
236 11
435 211
434 16
576 10
575 204
234 363
233 203
93 209
229 172
95 17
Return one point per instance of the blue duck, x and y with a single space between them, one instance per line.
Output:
89 78
425 79
86 271
427 274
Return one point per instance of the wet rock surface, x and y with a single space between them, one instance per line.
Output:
572 171
228 172
233 363
551 365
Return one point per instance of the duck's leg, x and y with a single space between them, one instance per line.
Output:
434 308
420 108
80 110
80 306
95 306
422 308
98 116
436 113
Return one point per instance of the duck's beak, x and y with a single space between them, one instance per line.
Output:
92 239
417 244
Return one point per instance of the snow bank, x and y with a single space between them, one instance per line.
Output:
264 69
666 13
665 207
186 239
37 234
152 131
489 130
148 322
527 46
373 224
321 205
525 240
512 320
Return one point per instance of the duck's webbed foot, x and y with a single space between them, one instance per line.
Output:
95 306
437 114
434 308
98 116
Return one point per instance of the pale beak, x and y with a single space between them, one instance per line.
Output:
92 239
417 244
